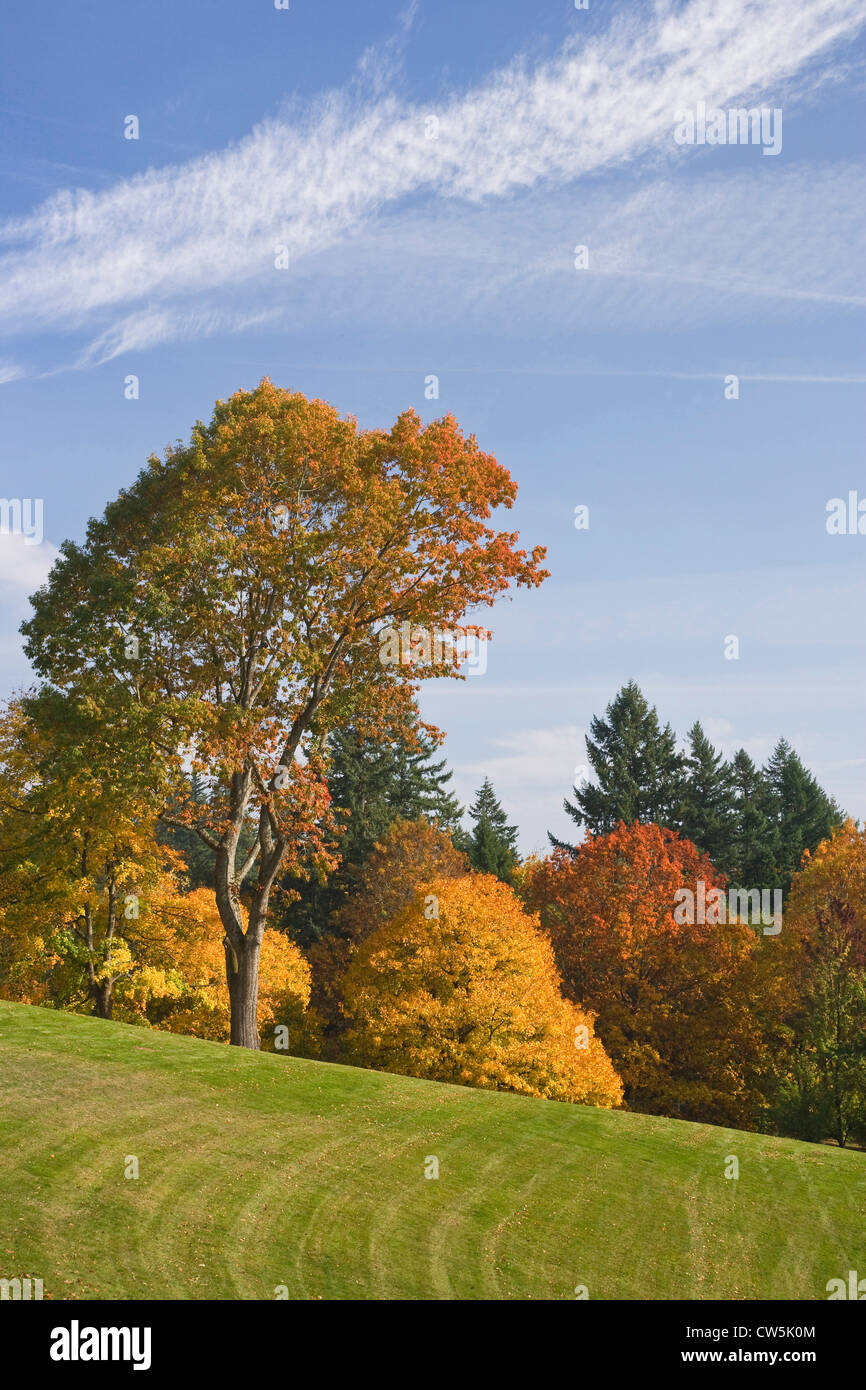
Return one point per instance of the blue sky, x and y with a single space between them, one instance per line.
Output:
409 255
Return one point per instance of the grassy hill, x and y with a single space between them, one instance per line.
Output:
258 1171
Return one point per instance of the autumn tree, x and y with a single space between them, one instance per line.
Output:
182 989
824 1089
678 1003
199 858
410 853
226 613
79 862
461 986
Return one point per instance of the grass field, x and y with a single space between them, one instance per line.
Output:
257 1171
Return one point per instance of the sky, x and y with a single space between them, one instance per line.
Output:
353 199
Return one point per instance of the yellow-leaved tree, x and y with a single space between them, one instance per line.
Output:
188 994
410 853
461 986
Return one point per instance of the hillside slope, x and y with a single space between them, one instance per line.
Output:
257 1171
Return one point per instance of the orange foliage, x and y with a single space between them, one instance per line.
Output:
677 1004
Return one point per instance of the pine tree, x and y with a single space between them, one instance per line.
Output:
492 845
805 815
637 769
755 844
706 813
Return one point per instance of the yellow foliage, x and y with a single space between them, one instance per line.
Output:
837 869
188 994
472 996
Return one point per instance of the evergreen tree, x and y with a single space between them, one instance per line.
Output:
706 812
755 845
637 769
492 844
805 815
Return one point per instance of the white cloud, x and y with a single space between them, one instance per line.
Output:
213 223
23 568
533 758
670 254
154 326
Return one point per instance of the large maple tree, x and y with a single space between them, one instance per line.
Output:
225 612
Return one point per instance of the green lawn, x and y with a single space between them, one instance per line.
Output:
258 1171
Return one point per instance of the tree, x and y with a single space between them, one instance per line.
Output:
80 867
373 784
824 1090
706 813
199 858
461 986
805 815
410 853
754 849
492 845
184 992
675 999
229 610
636 765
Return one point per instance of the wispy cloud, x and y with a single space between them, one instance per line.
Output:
186 232
152 327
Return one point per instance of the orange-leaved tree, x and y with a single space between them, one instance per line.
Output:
243 597
679 1004
461 986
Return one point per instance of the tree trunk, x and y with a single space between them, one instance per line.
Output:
103 999
242 974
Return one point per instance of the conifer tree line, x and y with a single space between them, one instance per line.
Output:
753 822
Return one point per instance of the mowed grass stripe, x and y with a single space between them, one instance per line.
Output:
258 1170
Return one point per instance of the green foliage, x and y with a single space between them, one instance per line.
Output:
754 824
198 857
706 812
754 848
492 844
804 814
637 768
